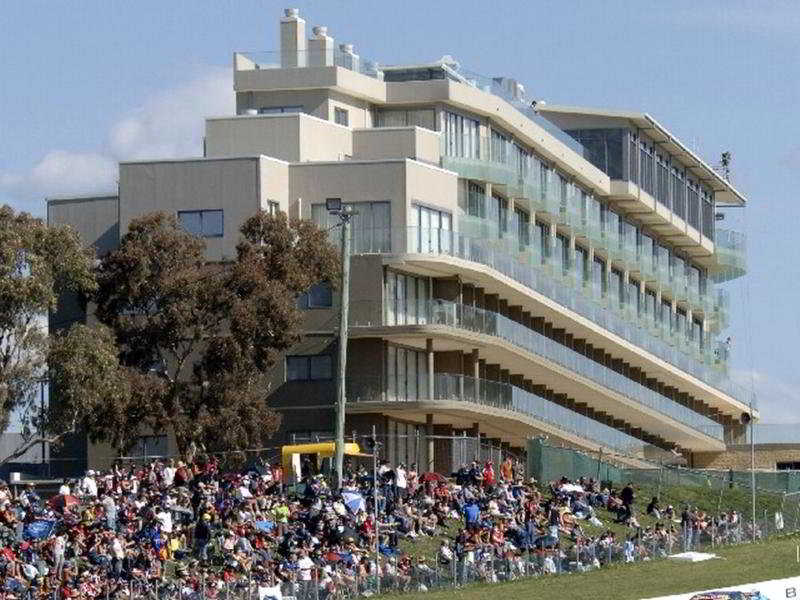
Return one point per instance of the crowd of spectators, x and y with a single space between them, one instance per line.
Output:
192 531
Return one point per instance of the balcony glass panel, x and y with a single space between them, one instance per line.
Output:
526 269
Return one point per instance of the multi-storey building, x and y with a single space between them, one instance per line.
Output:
517 270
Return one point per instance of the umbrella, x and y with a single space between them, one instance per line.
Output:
354 501
62 501
431 476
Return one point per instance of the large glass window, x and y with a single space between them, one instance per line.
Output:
276 110
581 264
598 277
708 215
309 368
662 181
523 227
499 147
693 205
564 253
425 117
433 228
202 223
646 168
616 290
678 193
406 299
370 229
406 373
320 295
500 212
476 200
461 135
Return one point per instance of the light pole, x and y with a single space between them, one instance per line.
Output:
335 207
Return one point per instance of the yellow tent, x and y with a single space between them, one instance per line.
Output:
323 449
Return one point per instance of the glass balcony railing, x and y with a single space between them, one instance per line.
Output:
495 394
440 312
526 268
731 250
256 61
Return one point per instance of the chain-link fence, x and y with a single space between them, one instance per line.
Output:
341 577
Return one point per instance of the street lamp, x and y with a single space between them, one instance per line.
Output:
344 212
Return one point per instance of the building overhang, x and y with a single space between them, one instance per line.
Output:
572 117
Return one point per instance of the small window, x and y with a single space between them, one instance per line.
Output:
202 223
320 295
309 368
341 117
273 208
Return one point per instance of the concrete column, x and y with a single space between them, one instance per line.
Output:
429 435
431 365
320 48
476 373
293 39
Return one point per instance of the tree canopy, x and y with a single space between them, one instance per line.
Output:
197 338
37 264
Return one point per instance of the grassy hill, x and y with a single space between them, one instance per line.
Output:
737 565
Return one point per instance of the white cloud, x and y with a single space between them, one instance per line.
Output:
778 401
169 124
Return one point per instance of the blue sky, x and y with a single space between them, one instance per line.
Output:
85 84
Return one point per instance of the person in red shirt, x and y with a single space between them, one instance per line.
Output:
488 474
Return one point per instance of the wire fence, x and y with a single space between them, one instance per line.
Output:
343 577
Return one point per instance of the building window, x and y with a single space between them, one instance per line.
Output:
407 299
309 368
461 136
275 110
406 374
788 466
273 208
370 229
476 200
319 295
433 227
202 223
341 117
425 117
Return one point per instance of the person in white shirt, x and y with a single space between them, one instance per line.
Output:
304 567
164 518
401 482
89 485
64 489
168 474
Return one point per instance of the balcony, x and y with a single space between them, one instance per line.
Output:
337 70
730 250
528 269
478 161
507 401
335 57
449 314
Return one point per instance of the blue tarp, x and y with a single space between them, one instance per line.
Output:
265 526
37 530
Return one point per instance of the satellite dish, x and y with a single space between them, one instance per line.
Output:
745 418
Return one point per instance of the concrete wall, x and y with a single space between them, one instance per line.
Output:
170 186
314 102
397 142
291 137
368 181
738 457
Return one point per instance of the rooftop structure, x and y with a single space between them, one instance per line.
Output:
519 269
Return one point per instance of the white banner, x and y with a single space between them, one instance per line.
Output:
775 589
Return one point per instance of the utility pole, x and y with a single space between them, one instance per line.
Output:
335 207
753 467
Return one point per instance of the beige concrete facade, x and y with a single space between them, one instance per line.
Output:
314 123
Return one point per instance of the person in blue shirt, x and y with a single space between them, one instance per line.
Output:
472 514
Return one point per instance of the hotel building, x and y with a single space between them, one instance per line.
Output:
518 269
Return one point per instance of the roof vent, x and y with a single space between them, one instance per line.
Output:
320 31
291 12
